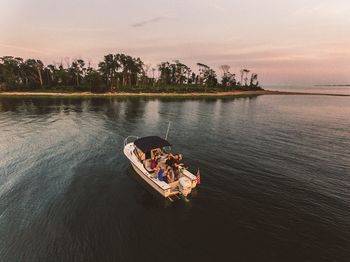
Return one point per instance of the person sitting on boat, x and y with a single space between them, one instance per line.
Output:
171 160
170 175
179 158
174 163
153 164
161 173
158 158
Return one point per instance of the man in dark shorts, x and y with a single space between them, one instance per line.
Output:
174 163
170 161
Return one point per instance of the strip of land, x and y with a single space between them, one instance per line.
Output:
217 94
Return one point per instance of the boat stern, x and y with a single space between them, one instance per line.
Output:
190 176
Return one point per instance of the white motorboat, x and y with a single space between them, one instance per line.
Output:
139 151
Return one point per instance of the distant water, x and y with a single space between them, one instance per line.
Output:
275 180
339 90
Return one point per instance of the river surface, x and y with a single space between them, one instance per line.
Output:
338 90
275 174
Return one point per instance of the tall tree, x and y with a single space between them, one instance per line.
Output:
165 73
254 80
109 67
244 76
136 69
34 69
228 79
208 76
78 70
202 68
52 74
11 70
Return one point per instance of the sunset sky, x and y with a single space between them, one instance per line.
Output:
285 42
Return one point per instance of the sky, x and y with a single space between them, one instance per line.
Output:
288 42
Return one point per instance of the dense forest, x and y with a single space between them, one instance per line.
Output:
119 73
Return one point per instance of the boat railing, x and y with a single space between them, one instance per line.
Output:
130 139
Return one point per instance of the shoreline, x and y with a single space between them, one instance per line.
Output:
121 94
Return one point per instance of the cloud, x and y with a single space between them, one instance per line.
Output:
148 21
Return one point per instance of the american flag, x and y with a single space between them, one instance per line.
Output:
198 177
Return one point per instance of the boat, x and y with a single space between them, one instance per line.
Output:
138 150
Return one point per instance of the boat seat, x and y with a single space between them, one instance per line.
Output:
147 165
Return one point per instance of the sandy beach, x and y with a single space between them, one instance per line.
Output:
218 94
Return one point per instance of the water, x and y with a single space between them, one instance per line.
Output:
339 90
275 180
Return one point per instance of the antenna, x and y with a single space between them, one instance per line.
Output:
167 132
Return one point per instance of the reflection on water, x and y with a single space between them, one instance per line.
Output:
275 180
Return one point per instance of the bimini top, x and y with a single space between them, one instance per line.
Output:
148 143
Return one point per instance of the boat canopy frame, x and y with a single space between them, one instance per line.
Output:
130 139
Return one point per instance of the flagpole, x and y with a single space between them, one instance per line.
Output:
198 177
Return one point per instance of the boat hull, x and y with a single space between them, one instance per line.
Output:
160 186
165 193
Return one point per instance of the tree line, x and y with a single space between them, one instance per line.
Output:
117 73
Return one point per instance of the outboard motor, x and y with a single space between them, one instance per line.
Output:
185 185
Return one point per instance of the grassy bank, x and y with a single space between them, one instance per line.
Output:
163 94
153 94
138 89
